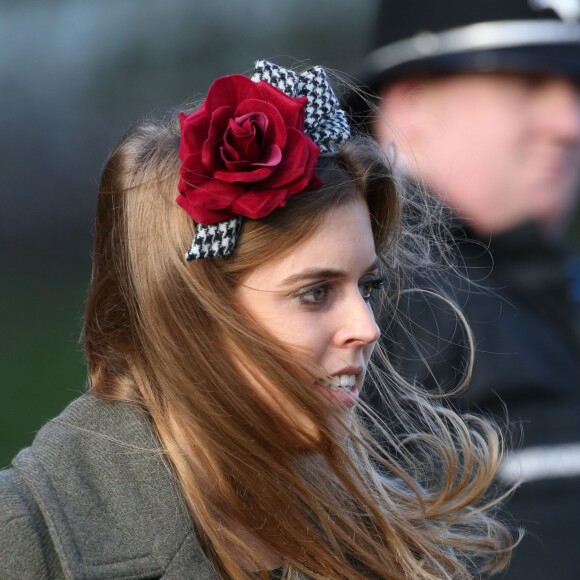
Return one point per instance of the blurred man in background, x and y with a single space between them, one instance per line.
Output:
481 100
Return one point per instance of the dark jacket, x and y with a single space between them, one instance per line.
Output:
92 499
527 371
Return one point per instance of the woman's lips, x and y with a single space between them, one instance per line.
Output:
342 386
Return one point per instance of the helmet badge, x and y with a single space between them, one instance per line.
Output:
567 10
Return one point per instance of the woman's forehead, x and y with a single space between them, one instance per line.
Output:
342 242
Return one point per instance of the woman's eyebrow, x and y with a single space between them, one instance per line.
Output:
313 274
323 274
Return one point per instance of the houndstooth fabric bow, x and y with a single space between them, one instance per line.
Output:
324 122
214 241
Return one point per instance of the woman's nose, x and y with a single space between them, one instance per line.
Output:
357 325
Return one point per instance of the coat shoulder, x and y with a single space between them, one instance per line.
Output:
93 495
27 550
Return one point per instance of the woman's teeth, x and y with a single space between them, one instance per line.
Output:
344 382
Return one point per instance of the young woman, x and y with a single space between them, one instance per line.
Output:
222 434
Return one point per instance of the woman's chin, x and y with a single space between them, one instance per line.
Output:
345 400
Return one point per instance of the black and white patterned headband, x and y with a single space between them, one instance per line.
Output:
251 144
324 121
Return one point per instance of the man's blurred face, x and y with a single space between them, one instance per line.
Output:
501 149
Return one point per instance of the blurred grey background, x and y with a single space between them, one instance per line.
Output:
74 74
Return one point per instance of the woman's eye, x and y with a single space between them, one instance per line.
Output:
315 295
368 287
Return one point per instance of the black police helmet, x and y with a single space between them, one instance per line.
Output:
419 37
473 35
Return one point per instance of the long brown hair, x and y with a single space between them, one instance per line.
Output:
159 332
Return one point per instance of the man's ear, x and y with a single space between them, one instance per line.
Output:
401 104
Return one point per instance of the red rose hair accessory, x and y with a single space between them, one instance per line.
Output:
251 144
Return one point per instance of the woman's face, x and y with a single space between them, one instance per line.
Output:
316 298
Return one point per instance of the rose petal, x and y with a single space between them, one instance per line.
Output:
291 108
191 120
297 163
204 215
230 90
192 172
276 129
255 121
240 143
194 129
239 131
213 194
255 204
218 124
271 156
302 182
229 155
210 198
253 149
271 159
240 166
253 176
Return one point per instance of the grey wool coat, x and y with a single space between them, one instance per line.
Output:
91 499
